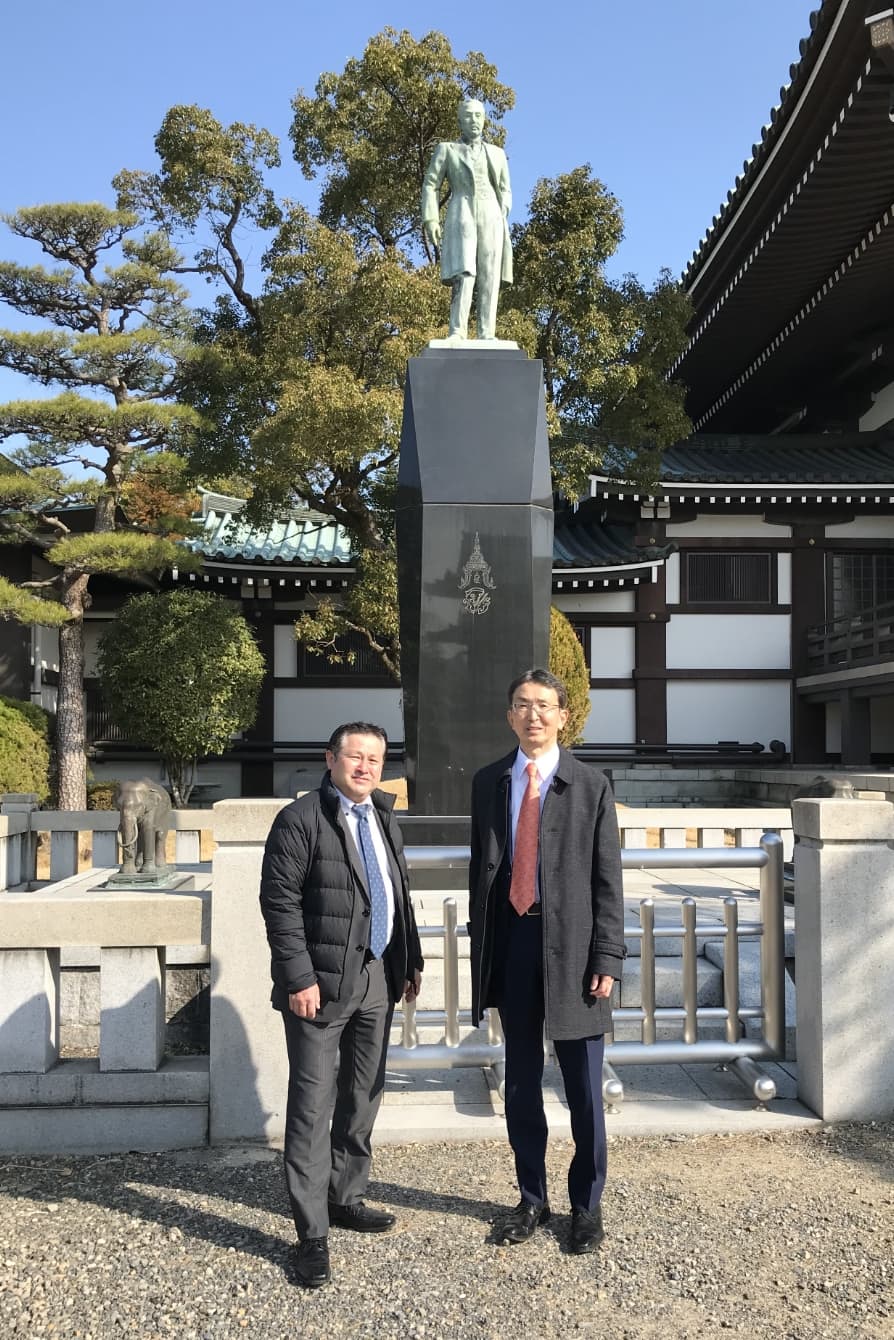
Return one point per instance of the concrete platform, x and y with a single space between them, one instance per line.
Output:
660 1100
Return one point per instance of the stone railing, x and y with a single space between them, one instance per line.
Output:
130 1096
133 1096
732 826
22 824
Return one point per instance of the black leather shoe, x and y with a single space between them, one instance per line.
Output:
586 1231
312 1263
360 1218
517 1225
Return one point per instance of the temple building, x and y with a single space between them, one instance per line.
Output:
744 607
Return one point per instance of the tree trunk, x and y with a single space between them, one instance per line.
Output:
70 721
182 776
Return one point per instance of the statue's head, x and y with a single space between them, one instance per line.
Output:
471 118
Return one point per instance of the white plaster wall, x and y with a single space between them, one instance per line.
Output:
721 526
882 410
672 579
784 579
833 728
744 710
46 640
285 651
313 714
596 602
881 717
612 718
729 642
865 527
612 652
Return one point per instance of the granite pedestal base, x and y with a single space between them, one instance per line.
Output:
474 537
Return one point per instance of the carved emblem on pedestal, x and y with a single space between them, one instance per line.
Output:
476 581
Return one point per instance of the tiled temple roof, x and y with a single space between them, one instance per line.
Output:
836 459
304 537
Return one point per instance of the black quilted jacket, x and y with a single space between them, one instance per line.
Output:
315 904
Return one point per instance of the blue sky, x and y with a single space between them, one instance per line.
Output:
664 98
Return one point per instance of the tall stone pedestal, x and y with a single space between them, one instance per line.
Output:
474 544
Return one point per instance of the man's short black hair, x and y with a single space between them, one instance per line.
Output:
546 679
336 739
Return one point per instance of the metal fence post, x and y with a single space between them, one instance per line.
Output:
451 975
773 945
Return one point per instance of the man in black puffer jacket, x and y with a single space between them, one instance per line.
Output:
344 949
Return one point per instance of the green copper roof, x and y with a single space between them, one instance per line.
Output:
302 537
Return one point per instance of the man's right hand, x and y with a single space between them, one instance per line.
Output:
305 1003
433 233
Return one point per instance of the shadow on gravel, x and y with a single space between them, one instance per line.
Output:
189 1198
435 1202
871 1146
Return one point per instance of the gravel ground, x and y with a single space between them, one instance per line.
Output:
789 1236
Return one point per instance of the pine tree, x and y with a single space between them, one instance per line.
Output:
115 339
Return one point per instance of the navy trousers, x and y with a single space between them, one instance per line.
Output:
580 1060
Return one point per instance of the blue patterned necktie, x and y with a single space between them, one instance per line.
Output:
378 899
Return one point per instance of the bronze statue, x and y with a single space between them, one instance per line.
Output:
145 809
475 244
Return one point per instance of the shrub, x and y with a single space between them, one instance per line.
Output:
37 717
24 751
181 674
100 795
567 660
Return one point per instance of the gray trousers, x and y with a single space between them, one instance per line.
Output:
337 1076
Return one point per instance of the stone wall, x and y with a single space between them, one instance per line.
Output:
645 784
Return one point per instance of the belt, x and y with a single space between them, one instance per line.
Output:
533 911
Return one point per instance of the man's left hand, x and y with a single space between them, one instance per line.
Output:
412 989
601 986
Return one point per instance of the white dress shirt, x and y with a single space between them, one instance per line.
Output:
546 766
379 847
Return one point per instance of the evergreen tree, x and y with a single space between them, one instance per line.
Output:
115 338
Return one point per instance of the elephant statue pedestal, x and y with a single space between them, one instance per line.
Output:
145 810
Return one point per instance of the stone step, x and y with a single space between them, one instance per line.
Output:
669 982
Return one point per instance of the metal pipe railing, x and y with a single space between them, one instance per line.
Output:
735 1050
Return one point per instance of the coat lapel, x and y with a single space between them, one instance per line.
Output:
502 801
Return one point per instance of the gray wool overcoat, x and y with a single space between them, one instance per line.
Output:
580 891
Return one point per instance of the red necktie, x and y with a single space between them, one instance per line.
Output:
527 832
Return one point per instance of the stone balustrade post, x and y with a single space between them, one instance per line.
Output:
29 1010
249 1068
18 857
844 895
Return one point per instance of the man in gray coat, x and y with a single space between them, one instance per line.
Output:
547 931
474 243
343 948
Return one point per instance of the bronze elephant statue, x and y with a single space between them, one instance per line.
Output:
145 809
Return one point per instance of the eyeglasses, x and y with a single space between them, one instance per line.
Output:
528 709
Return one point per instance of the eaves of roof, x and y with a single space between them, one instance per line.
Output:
820 459
759 461
584 543
827 24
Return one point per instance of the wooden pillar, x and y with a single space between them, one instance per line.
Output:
257 773
808 610
855 730
650 675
